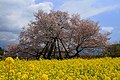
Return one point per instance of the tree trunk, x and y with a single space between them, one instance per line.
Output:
77 53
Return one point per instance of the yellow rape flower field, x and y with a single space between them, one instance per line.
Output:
71 69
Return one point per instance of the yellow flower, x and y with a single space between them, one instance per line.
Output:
17 59
61 72
24 77
9 60
31 67
57 78
18 74
12 72
44 77
71 69
116 78
69 78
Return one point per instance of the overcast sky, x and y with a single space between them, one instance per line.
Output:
14 14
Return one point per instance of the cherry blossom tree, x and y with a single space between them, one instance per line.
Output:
57 34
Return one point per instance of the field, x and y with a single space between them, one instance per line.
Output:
71 69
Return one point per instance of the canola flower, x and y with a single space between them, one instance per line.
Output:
9 60
71 69
44 77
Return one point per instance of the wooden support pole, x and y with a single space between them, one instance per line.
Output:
51 49
45 51
60 56
54 49
41 53
67 55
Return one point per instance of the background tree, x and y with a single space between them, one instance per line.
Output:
1 51
13 50
57 34
113 50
